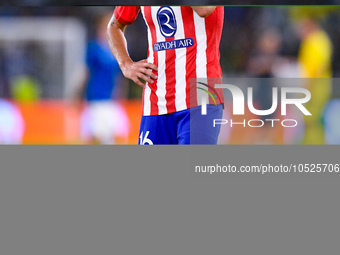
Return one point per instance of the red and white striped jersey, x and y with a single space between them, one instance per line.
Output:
184 46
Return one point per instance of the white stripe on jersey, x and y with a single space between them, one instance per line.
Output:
147 91
180 96
201 60
161 82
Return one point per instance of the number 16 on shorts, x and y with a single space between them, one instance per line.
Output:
143 140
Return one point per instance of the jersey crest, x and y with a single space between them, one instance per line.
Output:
167 21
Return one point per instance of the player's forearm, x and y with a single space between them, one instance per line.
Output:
203 11
136 71
117 43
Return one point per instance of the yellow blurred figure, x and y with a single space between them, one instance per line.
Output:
315 58
25 88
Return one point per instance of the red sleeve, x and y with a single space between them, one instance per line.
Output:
126 14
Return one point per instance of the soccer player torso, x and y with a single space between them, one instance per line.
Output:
184 46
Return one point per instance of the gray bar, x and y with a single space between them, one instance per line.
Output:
148 200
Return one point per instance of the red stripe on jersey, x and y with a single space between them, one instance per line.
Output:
189 32
153 87
170 74
214 25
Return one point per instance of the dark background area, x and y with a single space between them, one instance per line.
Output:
168 2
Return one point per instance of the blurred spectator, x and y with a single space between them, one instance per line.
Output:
315 58
260 65
12 124
265 54
316 50
103 117
25 88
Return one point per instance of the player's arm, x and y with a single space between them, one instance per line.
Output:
203 11
131 70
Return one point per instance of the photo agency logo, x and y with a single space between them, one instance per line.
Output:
213 94
281 98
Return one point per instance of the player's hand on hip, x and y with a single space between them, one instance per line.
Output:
141 70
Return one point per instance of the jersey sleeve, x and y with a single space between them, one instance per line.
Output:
126 15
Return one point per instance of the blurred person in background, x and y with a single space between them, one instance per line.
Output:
103 117
12 124
17 86
315 57
260 66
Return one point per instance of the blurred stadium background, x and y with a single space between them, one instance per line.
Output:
42 63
